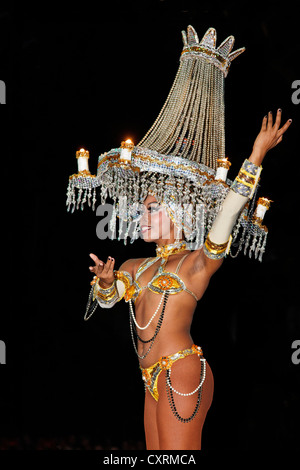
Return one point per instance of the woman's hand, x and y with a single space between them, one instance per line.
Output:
104 271
269 136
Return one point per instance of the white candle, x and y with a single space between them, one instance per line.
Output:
221 174
263 205
260 211
222 170
126 150
82 156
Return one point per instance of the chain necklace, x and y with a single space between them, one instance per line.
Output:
165 251
159 323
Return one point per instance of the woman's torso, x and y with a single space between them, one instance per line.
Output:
174 333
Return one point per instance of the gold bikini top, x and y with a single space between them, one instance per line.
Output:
161 282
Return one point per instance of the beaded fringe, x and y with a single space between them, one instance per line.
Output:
191 122
192 205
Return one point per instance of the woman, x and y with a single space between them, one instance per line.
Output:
178 381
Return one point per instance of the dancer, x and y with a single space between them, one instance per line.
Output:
175 405
193 214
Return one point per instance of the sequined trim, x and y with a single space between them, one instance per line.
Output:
162 282
166 281
247 179
214 250
150 374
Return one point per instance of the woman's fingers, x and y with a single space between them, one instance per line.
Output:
270 120
95 259
267 122
109 265
101 268
278 119
264 123
278 122
284 127
97 269
275 131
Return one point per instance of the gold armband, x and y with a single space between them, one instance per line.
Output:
105 296
124 277
247 179
216 251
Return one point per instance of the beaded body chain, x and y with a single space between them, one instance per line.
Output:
162 252
170 389
159 323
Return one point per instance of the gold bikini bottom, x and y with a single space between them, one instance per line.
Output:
151 374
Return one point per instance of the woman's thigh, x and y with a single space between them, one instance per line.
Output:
150 425
185 377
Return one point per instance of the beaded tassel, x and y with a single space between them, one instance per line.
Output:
177 158
159 323
191 122
170 395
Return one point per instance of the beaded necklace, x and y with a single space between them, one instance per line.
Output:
165 251
162 252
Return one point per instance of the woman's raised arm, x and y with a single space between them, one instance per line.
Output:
241 191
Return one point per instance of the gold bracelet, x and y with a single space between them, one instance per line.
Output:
105 295
107 288
96 279
247 179
215 248
245 175
121 276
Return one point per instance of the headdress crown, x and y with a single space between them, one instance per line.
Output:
181 159
206 48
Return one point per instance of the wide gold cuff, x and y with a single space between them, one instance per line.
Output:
247 179
123 277
214 250
108 295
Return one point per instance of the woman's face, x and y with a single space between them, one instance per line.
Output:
155 222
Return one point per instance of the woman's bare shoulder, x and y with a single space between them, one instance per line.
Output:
200 264
131 265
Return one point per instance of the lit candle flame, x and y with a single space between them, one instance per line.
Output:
126 149
82 156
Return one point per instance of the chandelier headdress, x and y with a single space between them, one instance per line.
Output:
181 159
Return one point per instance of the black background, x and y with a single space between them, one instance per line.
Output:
91 78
